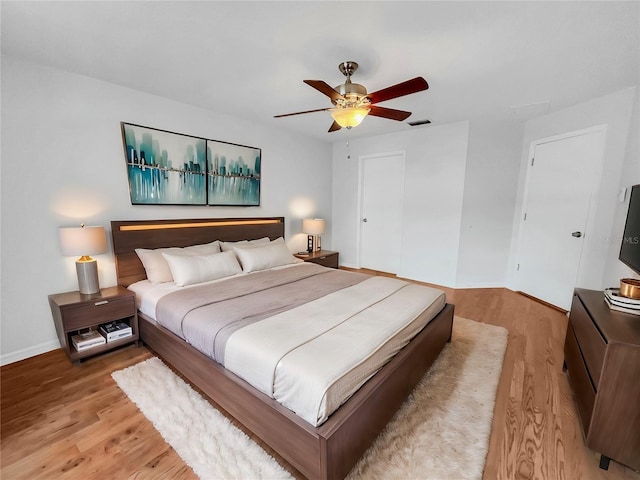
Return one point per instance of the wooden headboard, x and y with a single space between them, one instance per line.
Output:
129 235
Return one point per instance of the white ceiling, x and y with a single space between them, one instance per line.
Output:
248 59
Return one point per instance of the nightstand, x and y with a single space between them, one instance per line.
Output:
74 312
326 258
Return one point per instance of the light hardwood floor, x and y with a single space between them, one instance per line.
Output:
62 421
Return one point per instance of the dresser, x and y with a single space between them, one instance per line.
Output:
602 359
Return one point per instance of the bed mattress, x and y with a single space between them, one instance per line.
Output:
306 335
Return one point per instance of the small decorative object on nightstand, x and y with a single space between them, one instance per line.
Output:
75 314
326 258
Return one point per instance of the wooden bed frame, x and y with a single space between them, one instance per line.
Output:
327 452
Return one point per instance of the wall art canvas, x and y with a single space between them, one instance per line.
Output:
166 168
233 174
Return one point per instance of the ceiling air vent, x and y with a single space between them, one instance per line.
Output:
415 123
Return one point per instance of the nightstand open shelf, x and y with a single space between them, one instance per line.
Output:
73 312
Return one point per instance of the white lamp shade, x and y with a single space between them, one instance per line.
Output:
82 241
313 226
350 116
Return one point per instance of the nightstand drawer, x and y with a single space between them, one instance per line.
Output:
100 311
326 258
592 345
330 260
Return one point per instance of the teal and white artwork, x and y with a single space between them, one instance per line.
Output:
166 168
233 174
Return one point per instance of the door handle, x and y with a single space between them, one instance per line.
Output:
576 234
364 220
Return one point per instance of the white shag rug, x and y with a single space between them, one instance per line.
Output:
441 432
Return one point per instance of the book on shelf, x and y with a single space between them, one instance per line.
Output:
87 340
115 330
619 308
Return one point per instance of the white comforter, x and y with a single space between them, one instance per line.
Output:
347 335
311 358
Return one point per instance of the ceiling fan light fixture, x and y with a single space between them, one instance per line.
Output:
350 116
352 103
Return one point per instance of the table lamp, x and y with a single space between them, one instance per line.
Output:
84 241
313 227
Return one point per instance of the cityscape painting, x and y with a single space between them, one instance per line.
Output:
233 174
166 168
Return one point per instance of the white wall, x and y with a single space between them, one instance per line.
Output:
62 163
490 188
615 269
614 112
434 184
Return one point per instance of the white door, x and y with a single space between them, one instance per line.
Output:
560 182
382 190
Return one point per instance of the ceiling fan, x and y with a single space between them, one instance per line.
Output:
353 103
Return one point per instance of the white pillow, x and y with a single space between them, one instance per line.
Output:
204 249
261 242
228 246
191 269
156 266
261 257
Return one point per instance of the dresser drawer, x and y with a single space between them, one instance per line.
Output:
579 379
100 311
592 344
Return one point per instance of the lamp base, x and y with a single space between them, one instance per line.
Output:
313 243
88 277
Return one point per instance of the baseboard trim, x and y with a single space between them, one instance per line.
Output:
479 285
550 305
18 355
461 286
349 265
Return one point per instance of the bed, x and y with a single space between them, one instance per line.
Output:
327 451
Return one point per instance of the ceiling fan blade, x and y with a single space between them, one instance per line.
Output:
401 89
334 126
389 113
300 113
324 87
